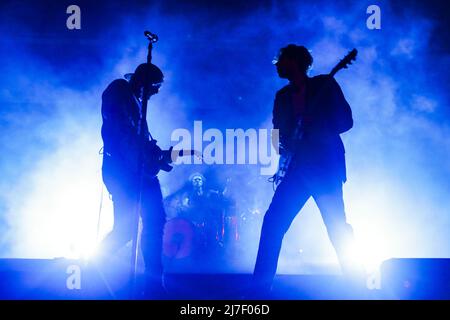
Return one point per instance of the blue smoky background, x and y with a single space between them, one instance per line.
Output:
217 60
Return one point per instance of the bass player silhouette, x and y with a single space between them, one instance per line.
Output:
310 114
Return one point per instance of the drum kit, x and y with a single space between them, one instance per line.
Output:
217 234
210 225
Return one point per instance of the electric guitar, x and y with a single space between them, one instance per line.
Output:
155 159
287 155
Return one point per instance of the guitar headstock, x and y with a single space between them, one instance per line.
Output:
343 64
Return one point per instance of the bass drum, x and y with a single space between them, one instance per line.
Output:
179 238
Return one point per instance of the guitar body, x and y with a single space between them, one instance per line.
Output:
156 159
286 157
152 159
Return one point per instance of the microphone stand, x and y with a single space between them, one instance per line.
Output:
141 145
138 210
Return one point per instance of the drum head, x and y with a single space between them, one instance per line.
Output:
178 239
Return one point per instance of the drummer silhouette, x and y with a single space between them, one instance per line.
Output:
194 229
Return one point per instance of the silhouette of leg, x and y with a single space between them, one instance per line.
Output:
329 199
122 230
153 220
289 198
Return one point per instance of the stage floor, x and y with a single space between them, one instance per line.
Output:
73 279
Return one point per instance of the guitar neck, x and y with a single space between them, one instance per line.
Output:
351 56
335 70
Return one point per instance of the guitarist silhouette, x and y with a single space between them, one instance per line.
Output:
131 161
310 114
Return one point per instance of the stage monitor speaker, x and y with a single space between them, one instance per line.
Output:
416 278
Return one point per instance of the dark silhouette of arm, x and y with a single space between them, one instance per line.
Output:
341 119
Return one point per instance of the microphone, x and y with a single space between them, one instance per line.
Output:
151 36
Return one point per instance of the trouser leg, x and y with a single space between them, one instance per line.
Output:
153 220
329 199
122 231
289 198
